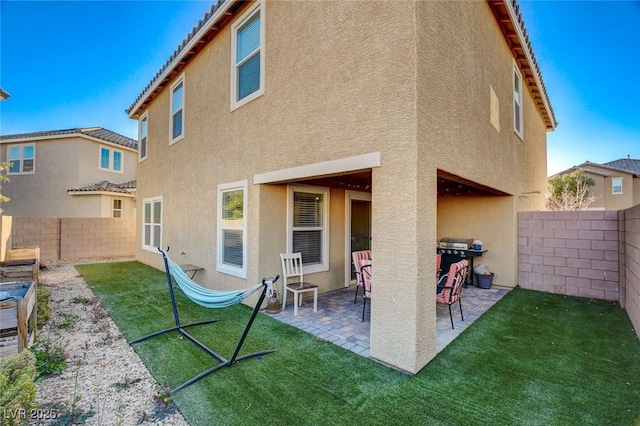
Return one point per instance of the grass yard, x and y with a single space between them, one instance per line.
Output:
534 359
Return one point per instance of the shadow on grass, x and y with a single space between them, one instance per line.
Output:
534 358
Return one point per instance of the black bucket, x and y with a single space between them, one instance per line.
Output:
484 281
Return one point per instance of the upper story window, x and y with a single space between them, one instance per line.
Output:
247 53
177 111
22 159
110 159
308 226
616 185
232 229
117 207
517 102
152 223
142 137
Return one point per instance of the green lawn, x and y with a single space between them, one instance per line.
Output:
532 359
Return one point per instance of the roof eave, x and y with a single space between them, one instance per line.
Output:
115 193
65 136
588 166
134 110
522 42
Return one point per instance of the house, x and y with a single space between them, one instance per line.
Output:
328 127
617 183
85 172
4 95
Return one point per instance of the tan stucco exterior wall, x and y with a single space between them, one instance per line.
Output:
62 164
597 190
466 60
618 201
466 123
605 199
344 80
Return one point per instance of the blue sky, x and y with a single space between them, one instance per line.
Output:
81 64
589 53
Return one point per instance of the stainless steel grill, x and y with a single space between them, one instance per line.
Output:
455 243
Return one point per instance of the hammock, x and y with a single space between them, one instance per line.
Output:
209 299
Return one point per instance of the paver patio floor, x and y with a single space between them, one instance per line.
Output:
339 320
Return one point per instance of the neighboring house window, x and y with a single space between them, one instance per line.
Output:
117 207
142 137
616 185
232 229
308 226
152 223
517 101
22 159
177 111
110 159
247 53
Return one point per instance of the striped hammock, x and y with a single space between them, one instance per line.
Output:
207 297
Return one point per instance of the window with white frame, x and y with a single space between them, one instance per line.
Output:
247 53
308 225
176 130
117 207
152 223
110 159
142 137
616 185
517 102
22 159
232 229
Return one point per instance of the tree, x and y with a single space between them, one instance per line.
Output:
3 178
570 191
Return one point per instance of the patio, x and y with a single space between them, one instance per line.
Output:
339 321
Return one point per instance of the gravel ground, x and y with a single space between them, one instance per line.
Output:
104 376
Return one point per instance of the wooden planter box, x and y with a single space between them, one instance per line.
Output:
19 312
20 264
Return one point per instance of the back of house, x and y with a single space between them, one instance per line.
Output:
330 127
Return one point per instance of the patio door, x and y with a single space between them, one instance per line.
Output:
358 228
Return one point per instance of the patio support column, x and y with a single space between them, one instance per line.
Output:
403 328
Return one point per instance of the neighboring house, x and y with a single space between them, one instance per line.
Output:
87 172
327 127
617 183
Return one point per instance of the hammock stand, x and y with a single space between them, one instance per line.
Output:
223 362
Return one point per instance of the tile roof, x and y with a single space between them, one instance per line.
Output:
95 132
106 186
627 164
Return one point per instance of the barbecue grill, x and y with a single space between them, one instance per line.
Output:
454 250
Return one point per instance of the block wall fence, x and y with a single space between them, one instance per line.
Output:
75 238
592 254
631 265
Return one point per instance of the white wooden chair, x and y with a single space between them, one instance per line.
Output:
292 268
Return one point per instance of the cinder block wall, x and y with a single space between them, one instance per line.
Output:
43 232
573 253
632 265
97 237
75 238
